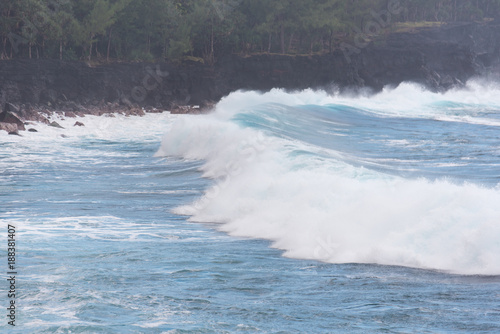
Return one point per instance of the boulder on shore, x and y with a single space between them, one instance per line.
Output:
10 117
56 125
9 127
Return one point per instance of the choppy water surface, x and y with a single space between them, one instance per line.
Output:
278 213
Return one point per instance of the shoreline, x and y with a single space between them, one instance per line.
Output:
438 58
59 125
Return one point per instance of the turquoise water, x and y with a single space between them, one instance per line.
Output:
279 213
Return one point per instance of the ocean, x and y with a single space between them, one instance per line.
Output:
280 212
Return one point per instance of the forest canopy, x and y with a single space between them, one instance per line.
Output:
204 30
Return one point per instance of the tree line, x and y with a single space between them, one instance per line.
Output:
206 29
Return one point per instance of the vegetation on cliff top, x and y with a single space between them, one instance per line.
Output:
207 29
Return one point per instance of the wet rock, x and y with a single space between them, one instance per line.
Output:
134 112
41 119
8 127
78 124
56 125
10 117
14 133
32 130
187 110
70 114
152 110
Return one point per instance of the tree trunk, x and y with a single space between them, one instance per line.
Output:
109 44
30 49
269 43
212 58
5 38
4 42
290 42
282 38
455 10
60 49
330 42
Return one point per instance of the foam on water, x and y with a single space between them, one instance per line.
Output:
98 250
313 203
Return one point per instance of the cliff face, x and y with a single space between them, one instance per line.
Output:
58 84
438 58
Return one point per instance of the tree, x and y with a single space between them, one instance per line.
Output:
213 22
101 17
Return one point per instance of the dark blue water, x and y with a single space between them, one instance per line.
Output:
101 249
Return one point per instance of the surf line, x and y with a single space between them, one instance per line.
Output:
11 274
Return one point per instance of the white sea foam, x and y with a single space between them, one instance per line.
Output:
325 209
406 100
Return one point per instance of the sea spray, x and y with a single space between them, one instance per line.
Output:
316 201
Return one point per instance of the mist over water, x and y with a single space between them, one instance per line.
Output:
405 177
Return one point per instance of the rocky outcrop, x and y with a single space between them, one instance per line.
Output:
54 124
9 127
439 58
11 118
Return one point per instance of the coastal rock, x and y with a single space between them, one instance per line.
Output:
9 127
79 124
152 110
56 125
135 112
32 130
186 110
40 118
9 117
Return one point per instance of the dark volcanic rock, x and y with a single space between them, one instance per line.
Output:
56 125
9 127
9 117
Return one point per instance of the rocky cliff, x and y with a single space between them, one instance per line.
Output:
436 57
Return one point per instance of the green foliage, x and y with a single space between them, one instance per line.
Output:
209 29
